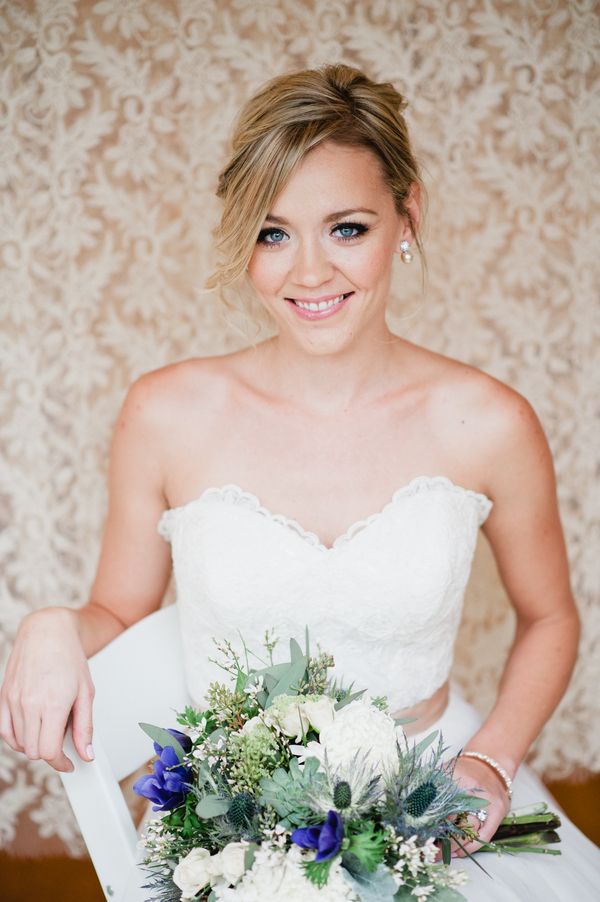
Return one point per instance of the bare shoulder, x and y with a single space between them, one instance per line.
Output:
164 395
490 424
505 432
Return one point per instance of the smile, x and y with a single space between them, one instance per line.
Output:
317 309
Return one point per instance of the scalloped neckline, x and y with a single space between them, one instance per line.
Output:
243 498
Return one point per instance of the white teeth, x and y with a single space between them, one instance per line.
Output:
322 305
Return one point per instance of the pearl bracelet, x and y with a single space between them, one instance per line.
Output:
491 762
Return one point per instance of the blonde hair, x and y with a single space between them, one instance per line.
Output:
277 127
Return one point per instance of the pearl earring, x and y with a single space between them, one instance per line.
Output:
406 255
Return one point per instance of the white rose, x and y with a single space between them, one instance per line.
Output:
288 714
320 711
252 724
229 862
193 872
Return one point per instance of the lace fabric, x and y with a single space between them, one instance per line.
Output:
234 494
385 598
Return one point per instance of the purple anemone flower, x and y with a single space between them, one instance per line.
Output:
326 838
169 782
184 741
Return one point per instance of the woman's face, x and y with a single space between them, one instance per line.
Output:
329 239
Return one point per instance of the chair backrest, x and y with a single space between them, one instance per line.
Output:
138 678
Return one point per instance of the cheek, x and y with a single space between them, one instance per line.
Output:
265 272
368 266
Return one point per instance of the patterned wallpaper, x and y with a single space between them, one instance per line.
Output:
114 118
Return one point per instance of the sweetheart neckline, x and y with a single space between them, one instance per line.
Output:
415 485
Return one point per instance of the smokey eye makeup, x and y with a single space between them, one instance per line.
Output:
275 236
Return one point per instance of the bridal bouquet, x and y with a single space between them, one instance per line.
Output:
288 786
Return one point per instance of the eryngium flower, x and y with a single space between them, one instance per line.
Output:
422 799
353 788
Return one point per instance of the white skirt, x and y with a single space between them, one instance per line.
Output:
573 876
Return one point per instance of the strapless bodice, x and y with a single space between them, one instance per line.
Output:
385 599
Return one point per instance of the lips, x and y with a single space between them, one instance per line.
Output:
330 307
319 303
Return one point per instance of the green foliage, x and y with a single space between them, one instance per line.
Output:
192 717
230 706
252 756
372 886
185 819
317 871
316 681
212 806
163 738
366 843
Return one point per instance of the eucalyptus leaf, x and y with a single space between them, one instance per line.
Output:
273 672
212 806
241 680
446 894
163 738
249 855
289 679
425 743
349 698
446 851
378 886
295 651
470 802
440 894
400 721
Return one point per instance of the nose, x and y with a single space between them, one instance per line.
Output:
311 267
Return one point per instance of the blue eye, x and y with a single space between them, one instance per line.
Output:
356 227
270 233
274 237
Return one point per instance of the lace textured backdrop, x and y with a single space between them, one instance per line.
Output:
114 117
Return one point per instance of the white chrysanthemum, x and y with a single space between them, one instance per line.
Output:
276 876
360 728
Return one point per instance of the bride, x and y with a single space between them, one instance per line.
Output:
255 463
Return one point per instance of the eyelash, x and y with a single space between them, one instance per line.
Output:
359 226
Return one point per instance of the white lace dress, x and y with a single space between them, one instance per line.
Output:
386 600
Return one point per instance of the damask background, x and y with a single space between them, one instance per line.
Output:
114 118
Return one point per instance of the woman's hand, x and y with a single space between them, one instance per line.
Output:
480 780
47 679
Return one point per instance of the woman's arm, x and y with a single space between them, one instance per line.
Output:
47 677
526 537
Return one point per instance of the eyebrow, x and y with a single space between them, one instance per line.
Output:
279 220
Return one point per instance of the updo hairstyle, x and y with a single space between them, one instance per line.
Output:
279 125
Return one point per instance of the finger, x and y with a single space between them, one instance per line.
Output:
82 724
52 735
31 744
468 846
18 723
6 727
61 763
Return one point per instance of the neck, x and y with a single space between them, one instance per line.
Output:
329 383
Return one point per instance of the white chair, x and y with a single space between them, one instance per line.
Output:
138 677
